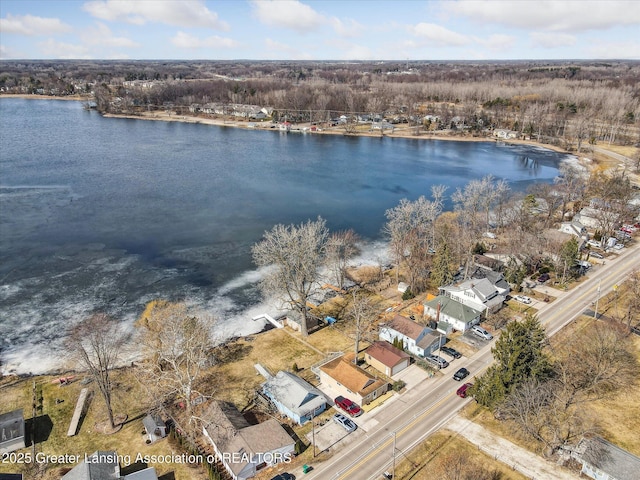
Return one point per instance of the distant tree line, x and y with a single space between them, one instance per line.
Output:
572 103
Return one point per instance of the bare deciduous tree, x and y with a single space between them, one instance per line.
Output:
341 248
95 344
177 347
294 255
363 312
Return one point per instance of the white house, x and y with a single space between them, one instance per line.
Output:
479 294
602 460
574 228
12 431
416 339
451 314
294 397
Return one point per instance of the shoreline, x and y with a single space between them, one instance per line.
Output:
402 133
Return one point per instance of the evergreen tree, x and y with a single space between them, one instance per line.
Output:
441 271
568 255
519 356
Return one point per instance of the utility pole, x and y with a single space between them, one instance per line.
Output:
313 430
595 314
393 468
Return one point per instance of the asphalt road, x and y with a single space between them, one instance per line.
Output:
418 413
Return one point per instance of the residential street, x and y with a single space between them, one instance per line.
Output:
419 412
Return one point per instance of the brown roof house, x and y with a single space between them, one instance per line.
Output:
417 339
12 431
245 449
386 358
351 381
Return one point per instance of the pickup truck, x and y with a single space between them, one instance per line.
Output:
348 406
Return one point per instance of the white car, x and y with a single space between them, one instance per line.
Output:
522 299
481 332
594 243
344 422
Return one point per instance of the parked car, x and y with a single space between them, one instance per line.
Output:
596 255
481 332
344 422
437 361
348 406
460 374
594 243
618 246
451 351
544 277
462 391
284 476
522 299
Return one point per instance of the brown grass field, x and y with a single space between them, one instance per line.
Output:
422 462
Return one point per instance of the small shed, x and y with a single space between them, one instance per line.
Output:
12 431
155 427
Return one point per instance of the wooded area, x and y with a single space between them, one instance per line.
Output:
569 103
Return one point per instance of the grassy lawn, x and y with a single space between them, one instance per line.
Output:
423 461
58 404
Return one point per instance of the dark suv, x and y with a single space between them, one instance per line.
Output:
450 351
544 277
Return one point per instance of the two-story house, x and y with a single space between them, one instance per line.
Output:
416 339
479 294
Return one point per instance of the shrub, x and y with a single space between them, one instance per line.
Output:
408 294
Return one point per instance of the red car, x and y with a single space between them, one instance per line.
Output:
348 406
462 391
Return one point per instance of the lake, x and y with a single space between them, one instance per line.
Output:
107 214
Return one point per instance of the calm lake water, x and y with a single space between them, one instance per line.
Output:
108 214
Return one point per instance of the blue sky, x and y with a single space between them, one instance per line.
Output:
319 30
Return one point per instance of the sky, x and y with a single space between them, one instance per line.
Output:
319 30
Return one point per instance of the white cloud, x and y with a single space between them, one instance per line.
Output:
54 49
102 35
348 28
551 15
185 40
181 13
290 14
497 42
31 25
279 50
439 35
615 50
551 39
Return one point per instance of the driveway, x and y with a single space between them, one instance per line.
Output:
525 462
330 434
412 376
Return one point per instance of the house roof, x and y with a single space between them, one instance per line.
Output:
146 474
151 422
231 433
387 354
257 439
11 426
351 376
294 393
452 308
426 341
481 287
222 421
609 458
103 466
405 326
